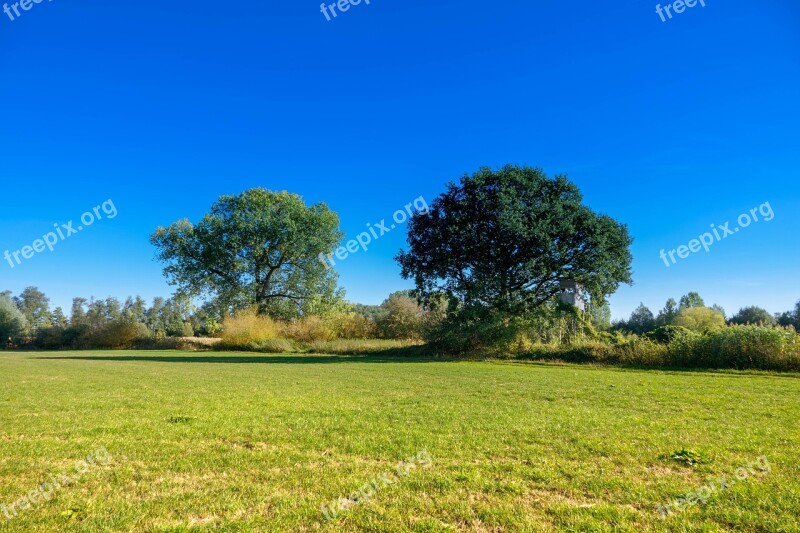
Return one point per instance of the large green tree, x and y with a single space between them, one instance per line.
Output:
503 240
257 248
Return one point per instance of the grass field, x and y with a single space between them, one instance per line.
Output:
243 442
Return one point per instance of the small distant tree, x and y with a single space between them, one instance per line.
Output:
36 307
13 323
78 314
600 315
402 317
641 320
135 309
753 315
668 314
700 319
719 309
790 318
59 319
691 300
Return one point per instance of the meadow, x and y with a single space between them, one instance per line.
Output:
222 441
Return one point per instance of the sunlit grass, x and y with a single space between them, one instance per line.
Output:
235 441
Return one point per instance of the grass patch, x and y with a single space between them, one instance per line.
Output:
267 439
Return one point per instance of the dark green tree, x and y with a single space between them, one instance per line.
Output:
641 320
753 315
668 314
59 319
790 318
259 248
78 312
691 300
502 241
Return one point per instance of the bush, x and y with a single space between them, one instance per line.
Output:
310 329
700 319
665 334
120 334
247 329
740 347
50 338
352 326
402 318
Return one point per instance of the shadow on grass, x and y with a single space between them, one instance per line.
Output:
393 355
411 354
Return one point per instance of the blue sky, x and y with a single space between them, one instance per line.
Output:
164 106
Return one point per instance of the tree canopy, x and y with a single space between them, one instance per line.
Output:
701 319
504 240
259 248
753 315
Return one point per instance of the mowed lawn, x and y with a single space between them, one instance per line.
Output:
251 442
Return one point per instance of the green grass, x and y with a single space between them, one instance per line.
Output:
243 442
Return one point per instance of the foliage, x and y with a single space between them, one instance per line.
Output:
700 319
688 457
401 318
668 314
641 320
480 332
36 307
741 347
498 244
691 300
753 315
258 248
13 323
666 334
600 314
248 328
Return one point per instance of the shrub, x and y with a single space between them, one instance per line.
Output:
665 334
402 318
247 328
310 329
50 338
740 347
274 346
118 334
700 319
352 326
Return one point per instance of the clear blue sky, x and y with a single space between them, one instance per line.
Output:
164 106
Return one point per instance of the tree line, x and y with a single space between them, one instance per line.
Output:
28 320
692 313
